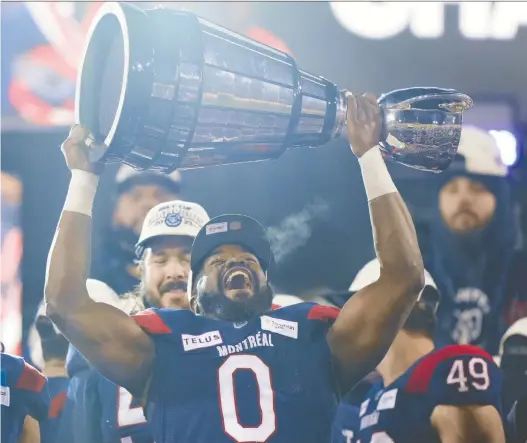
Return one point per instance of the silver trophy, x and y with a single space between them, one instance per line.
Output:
163 89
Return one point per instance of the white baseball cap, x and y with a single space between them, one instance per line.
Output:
175 217
371 273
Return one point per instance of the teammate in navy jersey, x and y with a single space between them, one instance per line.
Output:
513 364
231 369
443 395
108 413
80 418
54 349
93 410
346 421
516 421
24 400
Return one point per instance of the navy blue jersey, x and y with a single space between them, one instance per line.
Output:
269 379
24 392
58 387
345 424
122 417
80 418
105 412
515 423
75 362
457 375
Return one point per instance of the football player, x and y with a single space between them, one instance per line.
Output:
93 412
54 349
516 421
195 369
24 400
447 395
513 363
346 421
106 412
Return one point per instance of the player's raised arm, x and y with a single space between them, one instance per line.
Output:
370 320
107 337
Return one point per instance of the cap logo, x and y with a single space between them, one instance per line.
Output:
173 220
173 215
216 228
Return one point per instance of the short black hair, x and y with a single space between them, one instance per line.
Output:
422 320
54 344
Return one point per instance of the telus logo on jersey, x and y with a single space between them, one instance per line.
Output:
191 342
258 340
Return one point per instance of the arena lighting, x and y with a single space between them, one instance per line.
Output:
508 146
500 116
426 20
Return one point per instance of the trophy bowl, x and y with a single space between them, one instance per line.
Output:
422 126
163 89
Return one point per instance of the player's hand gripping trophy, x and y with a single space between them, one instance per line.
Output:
163 89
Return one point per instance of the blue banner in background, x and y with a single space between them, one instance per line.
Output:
43 42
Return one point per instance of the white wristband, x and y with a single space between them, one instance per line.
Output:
375 175
81 192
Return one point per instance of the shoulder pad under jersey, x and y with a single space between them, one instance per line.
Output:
308 311
157 321
25 386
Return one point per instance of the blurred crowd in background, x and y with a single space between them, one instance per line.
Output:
471 220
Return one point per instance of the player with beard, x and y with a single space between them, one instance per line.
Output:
445 395
163 252
105 412
194 369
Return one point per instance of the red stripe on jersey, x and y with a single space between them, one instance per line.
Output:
323 313
273 307
57 403
30 379
424 371
151 322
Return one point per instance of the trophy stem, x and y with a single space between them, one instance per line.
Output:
340 117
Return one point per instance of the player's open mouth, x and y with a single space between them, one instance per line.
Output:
238 278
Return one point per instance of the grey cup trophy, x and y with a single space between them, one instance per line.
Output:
163 89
